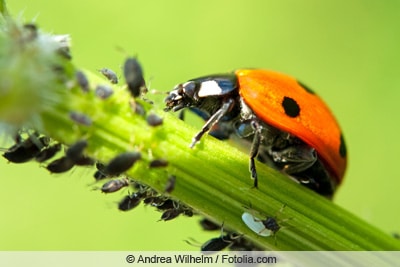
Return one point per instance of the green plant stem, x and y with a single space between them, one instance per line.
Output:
213 177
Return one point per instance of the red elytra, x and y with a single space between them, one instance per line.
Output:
263 91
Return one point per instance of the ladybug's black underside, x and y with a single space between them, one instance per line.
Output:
314 177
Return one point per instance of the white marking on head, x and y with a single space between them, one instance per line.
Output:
209 88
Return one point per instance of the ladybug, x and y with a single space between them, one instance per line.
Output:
286 125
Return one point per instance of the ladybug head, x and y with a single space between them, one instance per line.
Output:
207 94
183 95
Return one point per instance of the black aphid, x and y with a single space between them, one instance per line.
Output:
110 75
114 185
170 185
154 120
74 152
103 91
121 163
48 152
80 118
137 108
84 161
60 165
133 74
208 225
220 243
158 163
82 80
163 203
131 201
170 214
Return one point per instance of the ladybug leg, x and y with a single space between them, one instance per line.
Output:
220 130
254 150
226 106
295 158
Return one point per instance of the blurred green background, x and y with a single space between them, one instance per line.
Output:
347 51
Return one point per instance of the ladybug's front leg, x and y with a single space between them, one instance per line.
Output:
225 108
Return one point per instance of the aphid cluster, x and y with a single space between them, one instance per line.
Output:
73 156
60 158
169 207
42 148
114 168
34 146
133 200
121 163
102 91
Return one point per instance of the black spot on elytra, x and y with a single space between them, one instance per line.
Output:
291 107
308 89
342 147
